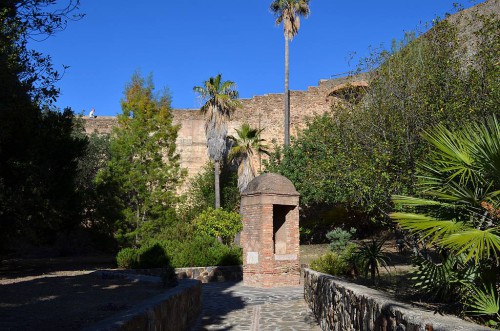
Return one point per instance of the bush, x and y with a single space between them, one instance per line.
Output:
127 258
152 256
219 223
337 263
203 251
339 238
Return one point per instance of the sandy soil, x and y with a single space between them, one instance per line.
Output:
55 294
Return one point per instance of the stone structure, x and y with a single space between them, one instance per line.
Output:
265 112
270 236
342 306
176 309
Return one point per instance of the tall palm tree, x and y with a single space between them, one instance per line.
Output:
288 12
245 145
220 99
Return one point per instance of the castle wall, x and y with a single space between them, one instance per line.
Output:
264 111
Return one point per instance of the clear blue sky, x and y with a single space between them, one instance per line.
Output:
184 42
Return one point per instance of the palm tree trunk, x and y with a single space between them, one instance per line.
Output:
217 183
287 97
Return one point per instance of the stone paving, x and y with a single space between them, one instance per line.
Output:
232 306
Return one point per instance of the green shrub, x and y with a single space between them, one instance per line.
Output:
218 223
152 256
339 238
204 251
337 263
168 276
127 258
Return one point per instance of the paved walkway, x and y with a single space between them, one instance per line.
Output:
232 306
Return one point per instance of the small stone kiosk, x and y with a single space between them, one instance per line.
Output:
270 236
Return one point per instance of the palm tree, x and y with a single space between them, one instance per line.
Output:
220 102
288 12
245 145
459 207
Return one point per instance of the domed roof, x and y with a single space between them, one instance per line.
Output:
271 183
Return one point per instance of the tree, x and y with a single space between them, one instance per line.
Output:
37 20
220 102
38 148
288 12
244 146
144 164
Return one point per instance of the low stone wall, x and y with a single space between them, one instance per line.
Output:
176 309
211 274
343 306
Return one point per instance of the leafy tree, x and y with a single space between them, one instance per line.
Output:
144 165
220 102
369 147
289 12
219 223
458 205
22 21
244 146
200 194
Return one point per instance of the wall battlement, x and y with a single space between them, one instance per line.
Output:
262 111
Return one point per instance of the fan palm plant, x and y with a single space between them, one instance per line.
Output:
288 12
245 145
220 99
458 210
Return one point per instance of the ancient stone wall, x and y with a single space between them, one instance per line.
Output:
342 306
264 111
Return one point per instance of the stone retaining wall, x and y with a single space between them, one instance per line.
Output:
211 274
203 274
343 306
177 309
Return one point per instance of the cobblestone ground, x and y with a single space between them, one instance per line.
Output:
232 306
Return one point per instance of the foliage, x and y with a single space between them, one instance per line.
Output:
144 166
127 258
485 301
445 281
337 262
200 194
198 251
247 142
202 251
339 238
370 257
151 255
169 277
22 21
220 99
457 210
369 147
218 223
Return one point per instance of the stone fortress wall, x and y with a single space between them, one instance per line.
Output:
264 111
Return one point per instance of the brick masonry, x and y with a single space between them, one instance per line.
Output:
270 236
264 111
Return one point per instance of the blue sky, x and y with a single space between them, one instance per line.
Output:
184 43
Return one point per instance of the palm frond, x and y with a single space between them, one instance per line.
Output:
426 226
484 301
475 243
